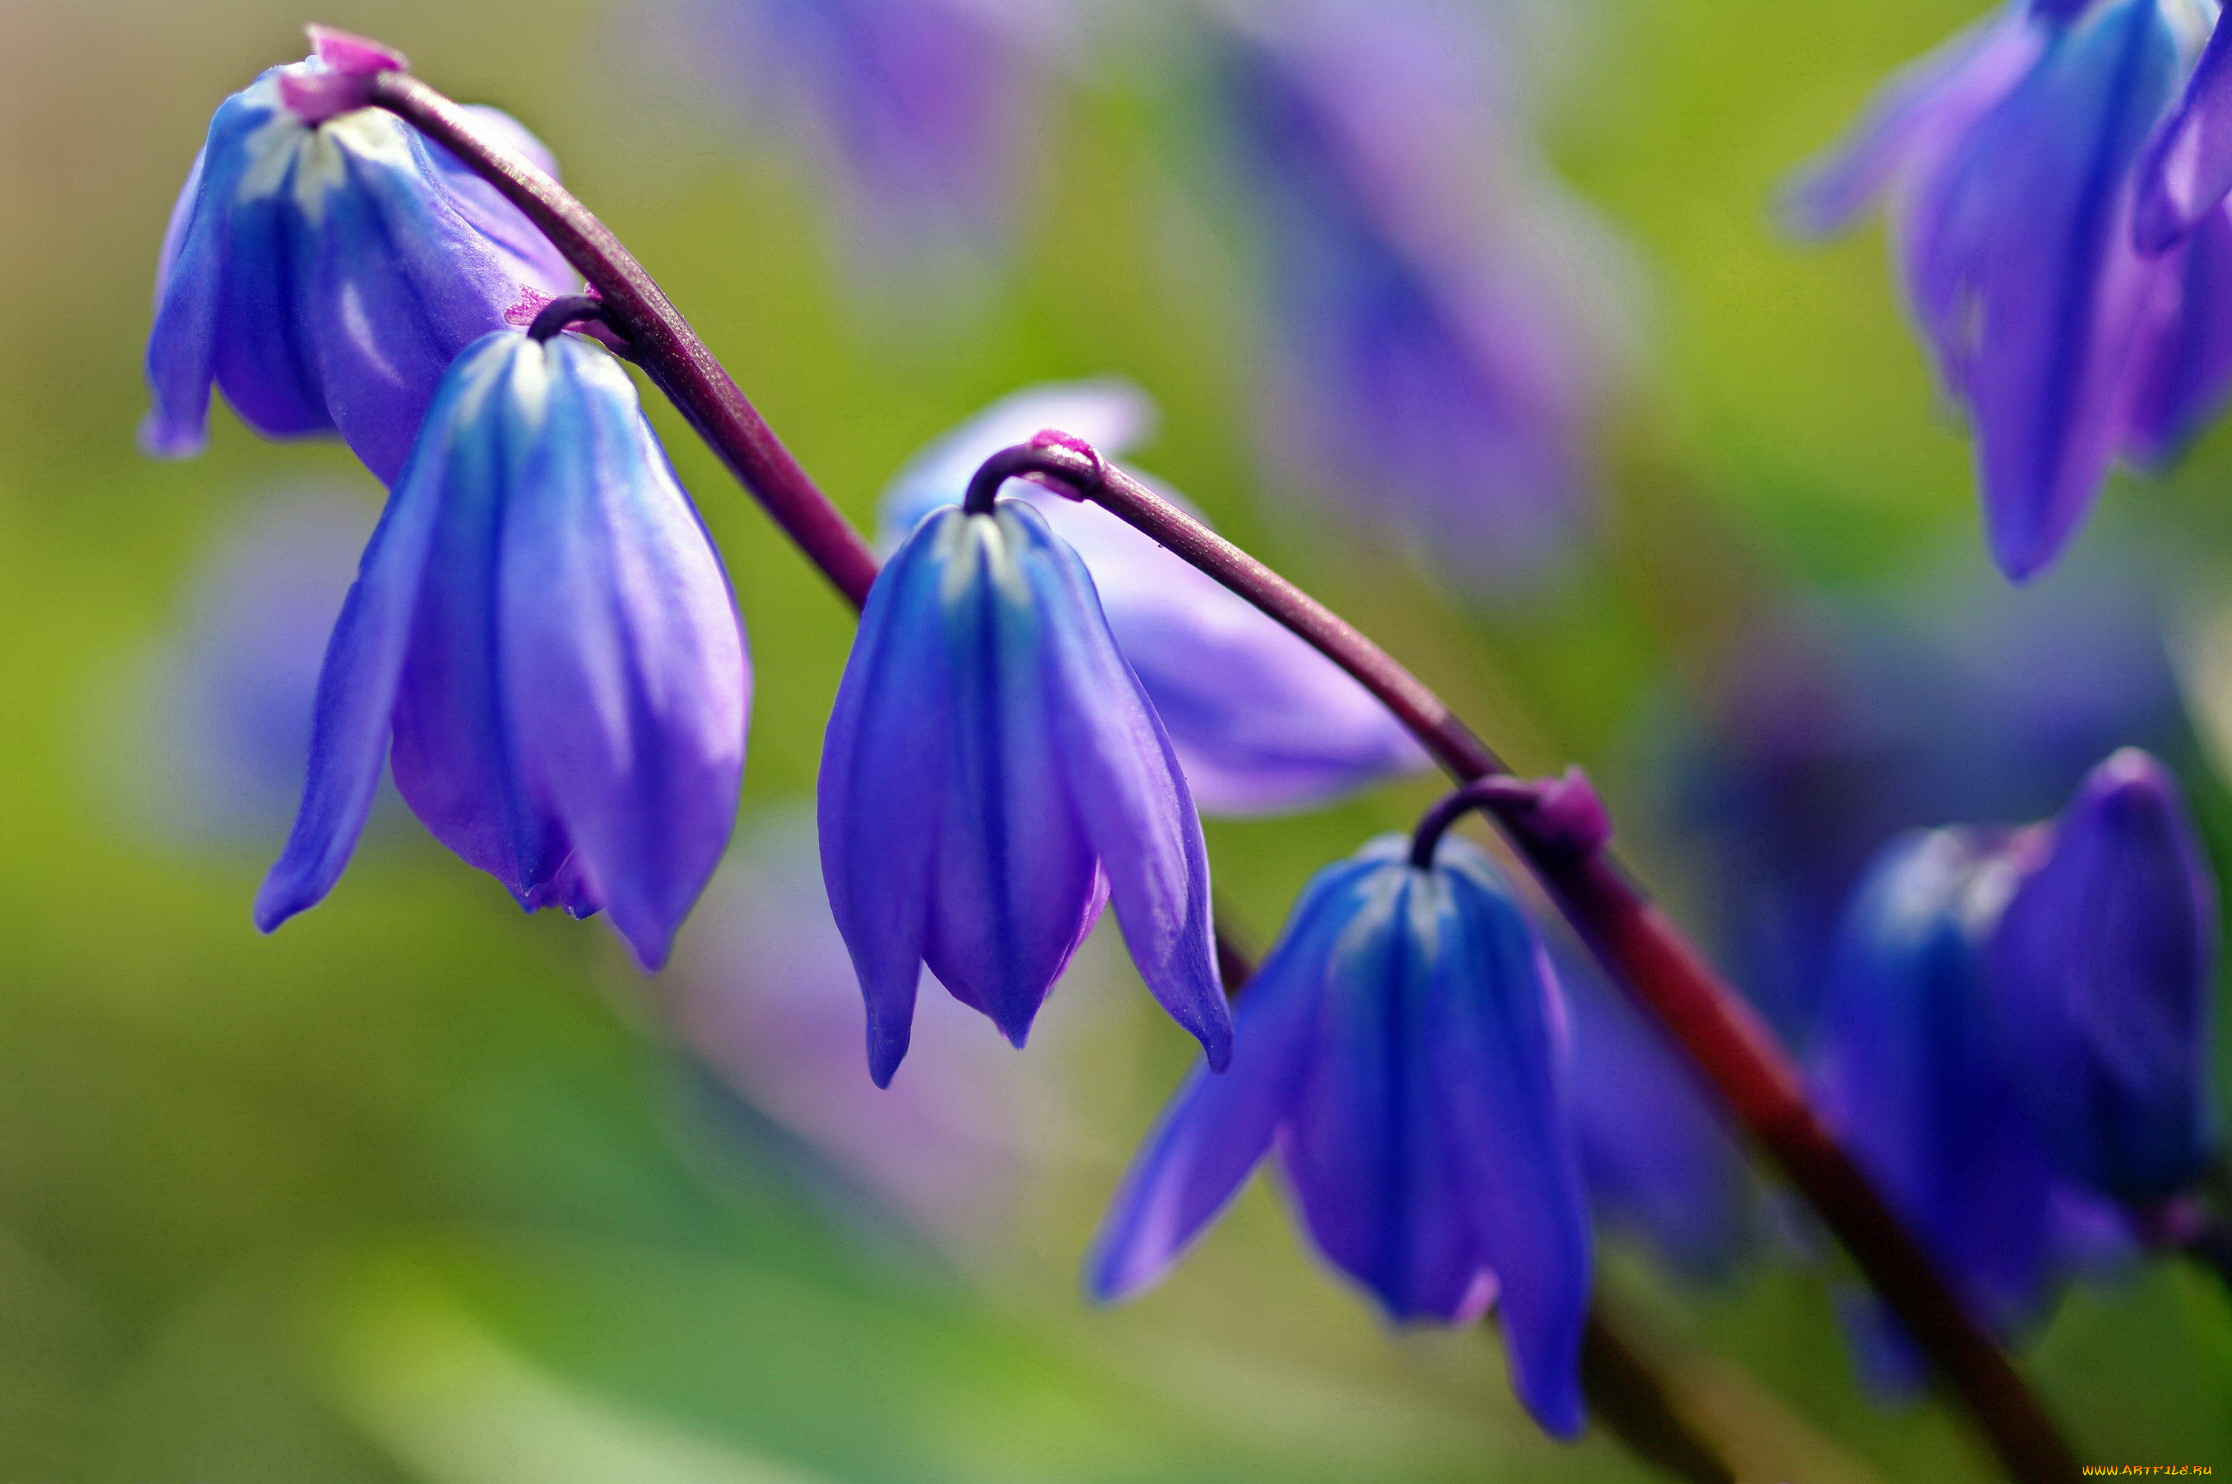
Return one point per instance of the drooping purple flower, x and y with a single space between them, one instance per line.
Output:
1399 1048
2011 153
1911 1073
1262 723
993 775
1439 345
929 109
1835 726
541 641
326 262
1657 1161
2101 973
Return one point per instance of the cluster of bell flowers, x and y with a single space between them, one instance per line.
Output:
2059 172
543 650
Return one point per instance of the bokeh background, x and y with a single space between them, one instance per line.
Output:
421 1189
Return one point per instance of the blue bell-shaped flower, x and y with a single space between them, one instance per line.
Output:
542 641
1910 1072
326 262
2013 153
1262 723
993 776
1400 1049
2101 972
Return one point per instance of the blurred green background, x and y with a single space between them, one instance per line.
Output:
422 1189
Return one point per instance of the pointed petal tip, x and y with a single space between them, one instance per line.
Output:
886 1050
1216 1044
276 901
161 437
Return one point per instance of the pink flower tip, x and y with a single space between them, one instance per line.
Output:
357 56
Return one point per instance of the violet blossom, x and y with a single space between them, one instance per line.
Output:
1440 348
1261 722
2011 155
1400 1050
992 776
542 643
326 262
2101 973
1911 1074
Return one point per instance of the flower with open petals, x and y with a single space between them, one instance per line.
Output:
2012 152
993 776
542 642
1262 723
326 262
1399 1048
2101 972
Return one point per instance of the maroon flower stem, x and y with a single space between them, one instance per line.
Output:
660 340
1641 948
1727 1042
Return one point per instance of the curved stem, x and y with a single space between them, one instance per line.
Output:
1726 1041
1642 949
1481 793
559 314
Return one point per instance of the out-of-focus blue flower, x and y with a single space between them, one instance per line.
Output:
993 775
1399 1047
2011 152
2101 973
1657 1160
541 640
210 732
1436 304
326 262
1262 723
1837 726
929 108
763 992
1911 1073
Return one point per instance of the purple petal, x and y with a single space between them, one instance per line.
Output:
2102 970
1129 792
180 346
1908 1071
1365 1147
883 773
2026 282
1221 1124
2187 363
1914 119
356 698
455 758
2187 167
401 279
1015 887
1261 722
624 668
1494 1066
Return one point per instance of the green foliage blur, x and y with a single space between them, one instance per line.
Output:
421 1189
